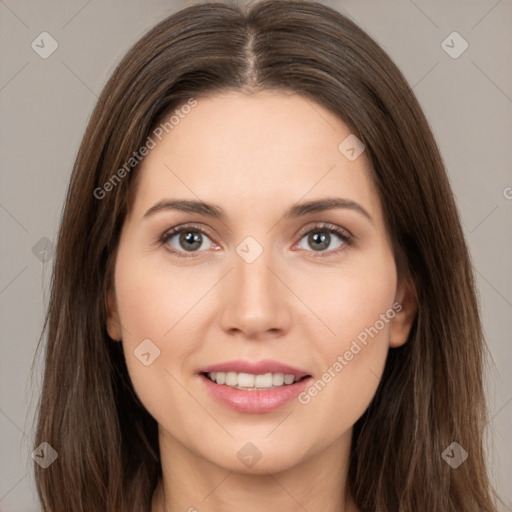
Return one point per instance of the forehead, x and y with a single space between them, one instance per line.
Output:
264 146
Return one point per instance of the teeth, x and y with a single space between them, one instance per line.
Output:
261 381
277 379
288 379
250 381
246 380
231 379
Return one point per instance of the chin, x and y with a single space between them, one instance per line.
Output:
253 458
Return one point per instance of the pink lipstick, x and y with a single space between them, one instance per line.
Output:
254 386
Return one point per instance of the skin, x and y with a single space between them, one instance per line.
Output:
254 155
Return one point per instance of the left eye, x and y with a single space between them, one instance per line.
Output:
320 238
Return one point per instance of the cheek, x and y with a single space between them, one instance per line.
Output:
154 298
351 356
347 300
152 311
360 301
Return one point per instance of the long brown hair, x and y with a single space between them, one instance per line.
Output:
431 393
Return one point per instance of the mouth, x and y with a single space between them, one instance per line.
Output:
254 387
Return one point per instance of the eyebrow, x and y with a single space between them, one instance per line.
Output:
296 210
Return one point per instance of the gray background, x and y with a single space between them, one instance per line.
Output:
45 105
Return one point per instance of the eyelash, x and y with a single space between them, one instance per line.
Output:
344 235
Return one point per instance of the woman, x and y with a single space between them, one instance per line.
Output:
261 287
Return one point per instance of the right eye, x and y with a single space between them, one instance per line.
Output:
183 239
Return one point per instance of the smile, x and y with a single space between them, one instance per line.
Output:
250 382
260 395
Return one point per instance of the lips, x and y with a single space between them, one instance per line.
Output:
254 400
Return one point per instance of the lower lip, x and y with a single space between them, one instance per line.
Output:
255 401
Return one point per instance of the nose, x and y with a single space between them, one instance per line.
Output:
255 301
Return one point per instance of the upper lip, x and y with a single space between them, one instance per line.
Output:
255 367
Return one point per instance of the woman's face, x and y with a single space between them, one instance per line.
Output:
261 284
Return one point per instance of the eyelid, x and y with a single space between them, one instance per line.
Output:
328 226
188 225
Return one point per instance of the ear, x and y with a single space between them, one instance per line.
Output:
405 307
113 322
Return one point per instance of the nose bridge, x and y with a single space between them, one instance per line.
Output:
257 301
254 279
